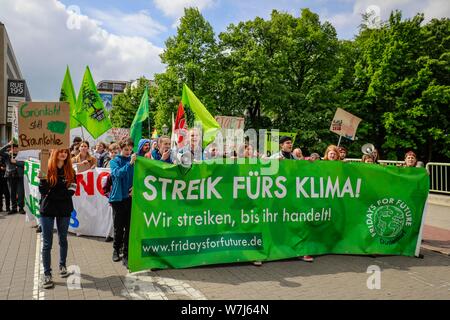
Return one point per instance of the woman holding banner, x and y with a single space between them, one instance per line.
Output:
411 160
84 161
332 153
57 188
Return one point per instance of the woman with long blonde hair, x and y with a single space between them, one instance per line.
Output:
332 153
57 188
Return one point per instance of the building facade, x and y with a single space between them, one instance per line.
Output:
108 89
13 88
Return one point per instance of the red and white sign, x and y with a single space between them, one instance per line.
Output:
345 124
234 123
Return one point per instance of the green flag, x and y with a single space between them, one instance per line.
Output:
68 95
192 105
141 116
90 111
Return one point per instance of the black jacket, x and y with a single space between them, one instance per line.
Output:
13 170
2 167
56 201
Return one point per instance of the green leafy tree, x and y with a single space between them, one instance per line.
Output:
246 71
167 96
125 106
189 56
403 86
291 73
280 69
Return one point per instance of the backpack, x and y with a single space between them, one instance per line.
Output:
107 185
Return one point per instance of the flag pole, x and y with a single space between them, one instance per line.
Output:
148 118
172 136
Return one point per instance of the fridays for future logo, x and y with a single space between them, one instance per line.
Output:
388 219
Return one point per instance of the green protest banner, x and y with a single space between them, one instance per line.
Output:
224 213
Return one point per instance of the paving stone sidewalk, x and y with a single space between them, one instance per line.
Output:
329 277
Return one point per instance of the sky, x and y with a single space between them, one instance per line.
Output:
122 40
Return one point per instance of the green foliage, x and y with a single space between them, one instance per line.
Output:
167 95
189 57
291 73
402 75
125 106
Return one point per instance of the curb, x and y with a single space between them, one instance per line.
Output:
439 200
436 249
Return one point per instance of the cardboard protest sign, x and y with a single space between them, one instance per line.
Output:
272 141
234 123
80 167
44 125
345 124
120 133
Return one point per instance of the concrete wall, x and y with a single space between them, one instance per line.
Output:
9 68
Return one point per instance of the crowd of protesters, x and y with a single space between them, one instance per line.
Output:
58 185
161 149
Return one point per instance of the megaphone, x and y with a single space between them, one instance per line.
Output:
368 148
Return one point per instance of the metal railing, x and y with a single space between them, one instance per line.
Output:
439 175
385 162
352 160
391 162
